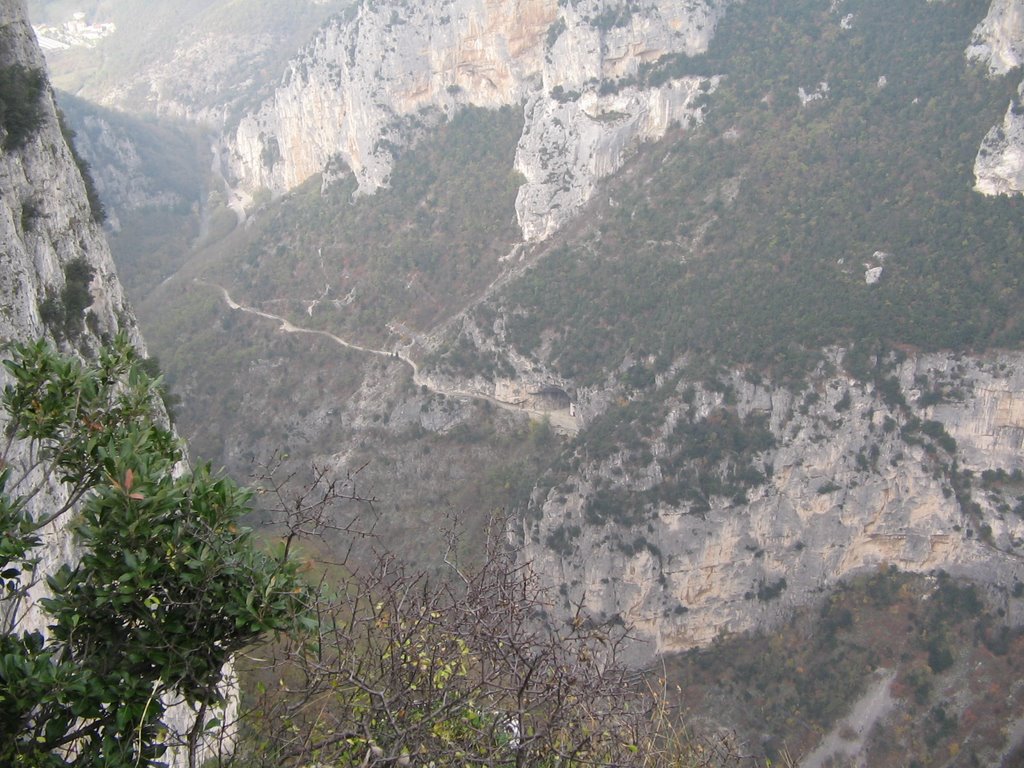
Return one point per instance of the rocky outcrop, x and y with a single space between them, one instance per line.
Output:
916 470
568 146
45 219
999 166
369 82
998 43
137 164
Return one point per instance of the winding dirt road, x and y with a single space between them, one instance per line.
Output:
561 420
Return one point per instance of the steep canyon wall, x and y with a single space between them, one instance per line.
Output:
367 83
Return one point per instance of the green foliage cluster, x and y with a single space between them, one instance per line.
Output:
21 104
64 313
168 585
752 249
465 356
555 31
714 456
610 18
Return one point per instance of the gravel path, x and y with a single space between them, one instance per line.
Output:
560 420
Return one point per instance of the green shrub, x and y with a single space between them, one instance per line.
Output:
21 107
64 313
168 586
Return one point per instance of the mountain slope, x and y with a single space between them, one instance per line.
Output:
786 333
206 60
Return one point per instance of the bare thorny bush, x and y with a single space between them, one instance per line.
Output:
467 669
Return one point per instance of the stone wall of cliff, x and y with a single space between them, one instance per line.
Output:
915 472
368 82
45 218
998 44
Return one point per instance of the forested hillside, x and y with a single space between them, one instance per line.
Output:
748 240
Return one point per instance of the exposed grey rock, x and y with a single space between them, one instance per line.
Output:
998 43
999 166
567 147
853 484
45 220
366 84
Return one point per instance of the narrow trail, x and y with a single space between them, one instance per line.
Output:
561 420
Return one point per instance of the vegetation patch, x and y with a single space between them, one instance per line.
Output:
751 251
796 683
21 104
64 312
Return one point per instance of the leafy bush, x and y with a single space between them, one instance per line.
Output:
168 587
64 313
21 107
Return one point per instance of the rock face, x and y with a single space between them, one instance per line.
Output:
999 166
45 220
567 147
137 164
852 477
367 82
45 225
123 182
998 43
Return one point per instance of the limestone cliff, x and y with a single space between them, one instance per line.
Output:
370 80
47 225
45 219
914 470
998 43
999 166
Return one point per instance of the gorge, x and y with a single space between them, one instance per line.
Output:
770 255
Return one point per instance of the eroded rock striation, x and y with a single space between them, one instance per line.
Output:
369 81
